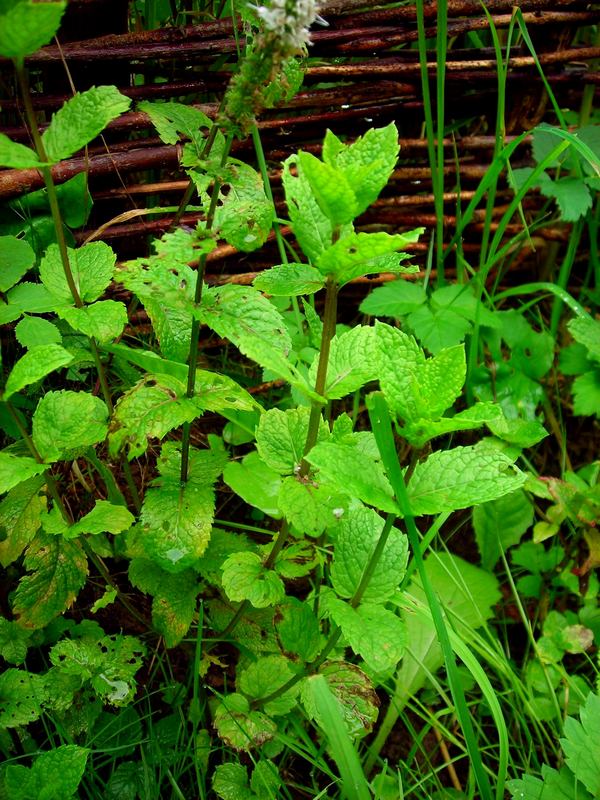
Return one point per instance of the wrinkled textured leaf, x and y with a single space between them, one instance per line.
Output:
310 507
20 513
35 365
172 119
288 280
359 254
586 331
311 226
298 629
22 695
27 26
16 257
30 298
244 578
81 119
239 727
103 320
230 782
66 423
586 394
333 192
92 266
245 214
267 675
500 524
281 438
14 642
352 362
16 469
55 775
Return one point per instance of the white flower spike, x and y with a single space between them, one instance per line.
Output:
290 20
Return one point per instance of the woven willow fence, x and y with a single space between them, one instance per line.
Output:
363 71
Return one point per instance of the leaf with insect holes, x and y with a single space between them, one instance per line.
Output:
238 726
359 254
290 280
267 675
92 266
57 570
357 536
55 775
25 26
20 518
173 597
245 578
22 695
16 258
81 119
35 365
281 437
176 519
16 469
104 320
352 362
66 423
332 191
244 214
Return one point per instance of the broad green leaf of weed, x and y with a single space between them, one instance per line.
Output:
554 785
173 597
377 635
394 299
66 423
103 518
16 258
176 519
230 782
20 518
103 320
359 254
81 119
357 535
586 394
22 695
461 477
35 365
281 437
26 26
255 482
531 352
15 155
267 675
586 331
265 780
57 570
15 469
580 745
14 641
438 328
500 524
353 691
310 507
571 194
92 266
298 629
245 214
35 331
290 280
352 362
245 578
55 775
239 727
333 192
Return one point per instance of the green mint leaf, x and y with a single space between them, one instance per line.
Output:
239 727
296 560
462 477
586 394
14 641
173 120
311 226
16 469
353 691
352 362
35 331
173 597
66 423
35 365
572 196
103 320
103 518
22 694
298 629
245 578
254 482
281 438
15 155
367 163
55 775
500 524
264 676
377 635
353 471
81 119
415 387
92 266
579 744
31 298
57 571
20 513
289 280
331 189
245 214
586 331
310 507
16 257
359 254
149 410
230 782
27 26
222 544
520 432
357 535
394 299
420 432
176 519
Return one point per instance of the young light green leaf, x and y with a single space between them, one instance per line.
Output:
57 571
103 518
359 254
25 26
520 432
35 331
176 519
103 320
66 423
239 727
394 299
92 266
579 744
267 675
55 775
254 482
586 331
357 535
310 507
281 438
353 357
35 365
332 191
173 597
16 257
289 280
15 155
81 119
298 629
420 432
16 469
462 477
245 578
500 524
20 513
